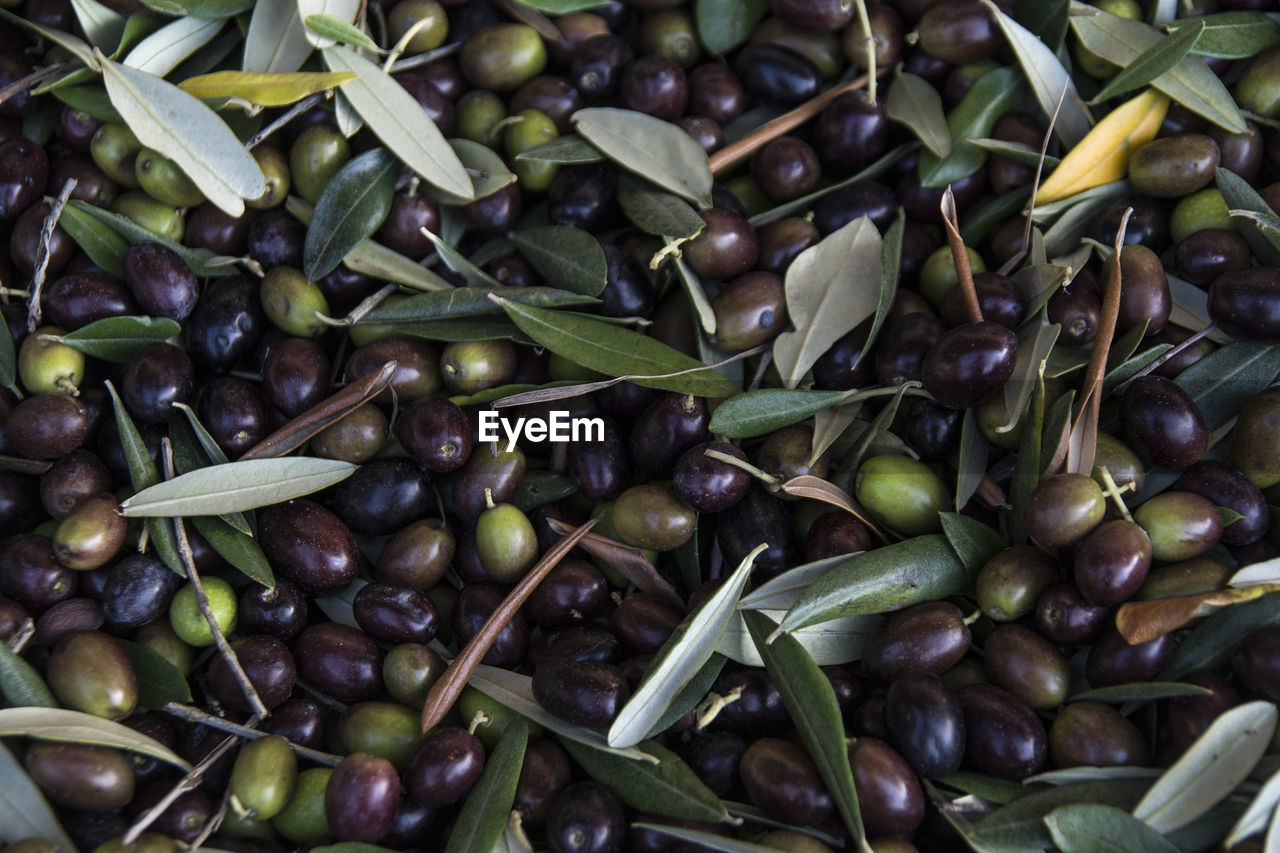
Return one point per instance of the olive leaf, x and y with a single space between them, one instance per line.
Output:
1241 197
1050 82
1210 769
1102 157
916 105
563 7
697 294
830 288
984 787
24 812
726 24
163 50
990 97
617 351
399 121
924 568
971 466
277 39
201 261
330 12
627 560
237 486
974 542
762 412
833 643
566 257
783 591
20 683
182 128
1016 151
515 691
203 8
1020 824
1221 382
467 302
159 681
1143 621
1099 828
693 692
1142 691
90 100
705 840
66 41
538 488
58 724
1046 19
757 815
334 29
1190 82
567 149
460 263
102 26
355 201
99 241
119 339
1258 814
650 147
236 547
656 212
488 172
1154 61
483 817
1231 35
265 89
1089 773
681 656
667 788
1035 343
1267 571
1210 644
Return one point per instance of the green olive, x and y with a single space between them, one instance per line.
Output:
263 777
190 624
161 179
902 493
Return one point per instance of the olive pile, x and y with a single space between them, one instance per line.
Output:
1066 435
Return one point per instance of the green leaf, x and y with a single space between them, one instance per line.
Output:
450 331
652 148
705 840
667 788
1047 19
1049 79
693 692
617 351
185 130
811 701
984 787
974 542
237 486
656 212
24 812
354 203
1154 61
198 259
488 172
99 241
762 412
877 581
563 7
166 48
1020 824
460 263
568 149
972 461
1211 768
832 643
1016 151
483 817
467 302
1231 35
20 684
726 24
1210 644
400 122
701 305
336 29
58 724
342 11
830 289
1098 828
1239 195
202 8
1143 691
1190 82
1222 381
993 95
237 548
90 100
565 256
102 26
66 41
119 339
159 681
538 488
916 105
684 653
277 39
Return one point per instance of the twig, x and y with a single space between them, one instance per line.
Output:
17 87
869 42
189 782
758 376
202 600
1173 352
286 117
960 257
42 257
1008 265
195 715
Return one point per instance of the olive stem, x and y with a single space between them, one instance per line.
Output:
195 715
488 498
960 257
763 476
715 703
1115 492
17 87
398 49
481 718
189 782
18 642
202 598
735 153
870 40
1174 351
42 256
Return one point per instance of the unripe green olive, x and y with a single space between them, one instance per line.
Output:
938 274
902 493
115 150
155 216
479 112
502 57
302 821
88 671
291 302
529 129
651 516
161 179
264 775
506 542
316 156
426 17
187 620
275 172
48 366
91 533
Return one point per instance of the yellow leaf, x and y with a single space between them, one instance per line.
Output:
1103 155
267 89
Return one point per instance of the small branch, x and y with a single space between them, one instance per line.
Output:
286 117
17 87
1172 353
189 782
960 257
42 257
195 715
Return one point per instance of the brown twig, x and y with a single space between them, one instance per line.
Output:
445 691
42 256
195 715
629 561
960 257
189 782
731 155
22 84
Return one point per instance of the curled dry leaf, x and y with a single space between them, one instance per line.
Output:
1143 621
818 489
627 560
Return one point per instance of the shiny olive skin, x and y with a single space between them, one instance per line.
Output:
154 380
308 545
929 637
342 662
1112 562
77 299
475 603
652 517
1004 737
1090 734
225 324
383 496
264 775
665 430
1066 617
888 790
1174 166
88 671
444 768
776 75
137 590
25 167
758 518
160 280
295 375
409 671
417 556
781 779
80 776
587 817
1211 253
708 484
91 534
727 247
361 798
750 310
575 643
1112 660
959 32
1246 304
572 591
395 613
543 775
280 611
267 663
386 729
1255 445
1181 525
1009 584
644 621
714 757
970 363
584 693
357 438
1027 665
30 575
47 426
234 413
925 724
1189 716
600 467
1063 509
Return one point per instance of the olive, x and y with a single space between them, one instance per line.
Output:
188 619
888 791
1255 444
1027 665
80 776
588 643
1256 90
758 518
339 661
654 85
1009 584
383 496
78 299
292 303
669 426
959 32
308 545
901 493
302 821
596 68
114 149
159 376
444 768
749 311
1190 716
264 775
67 617
581 692
426 18
506 543
708 484
503 56
1112 562
1210 254
651 516
586 817
212 229
1174 166
361 798
268 665
572 591
1076 307
628 290
600 466
472 366
357 438
417 556
901 349
489 467
409 670
91 534
163 180
1113 660
714 757
782 780
276 239
644 621
725 249
544 774
1063 509
280 611
1004 737
388 730
759 709
1256 662
47 365
1246 303
1090 734
584 196
925 723
1144 290
315 157
781 242
476 602
225 324
1189 577
298 721
295 375
851 132
929 637
777 75
395 613
834 534
1181 525
969 363
88 671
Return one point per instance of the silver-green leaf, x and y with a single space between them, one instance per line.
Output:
354 203
650 147
331 29
237 486
567 257
58 724
341 11
103 26
24 812
166 48
917 106
1098 828
277 39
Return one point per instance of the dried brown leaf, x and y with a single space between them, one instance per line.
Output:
629 561
818 489
1143 621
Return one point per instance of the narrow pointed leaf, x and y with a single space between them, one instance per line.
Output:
693 692
650 147
617 351
1222 381
1231 35
565 256
990 97
1256 817
90 100
681 656
163 50
102 25
354 203
811 701
974 542
1035 343
1020 824
830 288
698 300
1143 691
332 28
706 840
483 816
1045 19
1210 769
656 212
971 465
1098 828
783 591
487 171
24 812
762 412
277 39
1210 644
200 260
460 263
237 486
266 90
889 578
204 8
726 24
563 7
159 681
833 643
236 548
340 11
567 149
467 302
99 241
119 339
58 724
916 105
398 120
667 788
1143 621
186 131
1239 195
1154 61
1267 571
1047 77
20 683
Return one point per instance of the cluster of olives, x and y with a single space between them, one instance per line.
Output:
380 580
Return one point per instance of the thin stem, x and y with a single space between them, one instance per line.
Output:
1115 492
189 782
869 40
17 87
42 257
195 715
286 117
960 257
761 475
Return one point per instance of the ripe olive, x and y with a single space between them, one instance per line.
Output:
582 692
444 768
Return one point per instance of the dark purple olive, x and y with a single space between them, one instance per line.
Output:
970 363
339 661
269 667
444 768
1246 304
361 798
586 818
1004 737
395 613
1163 423
160 280
584 693
476 602
308 545
708 484
926 724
